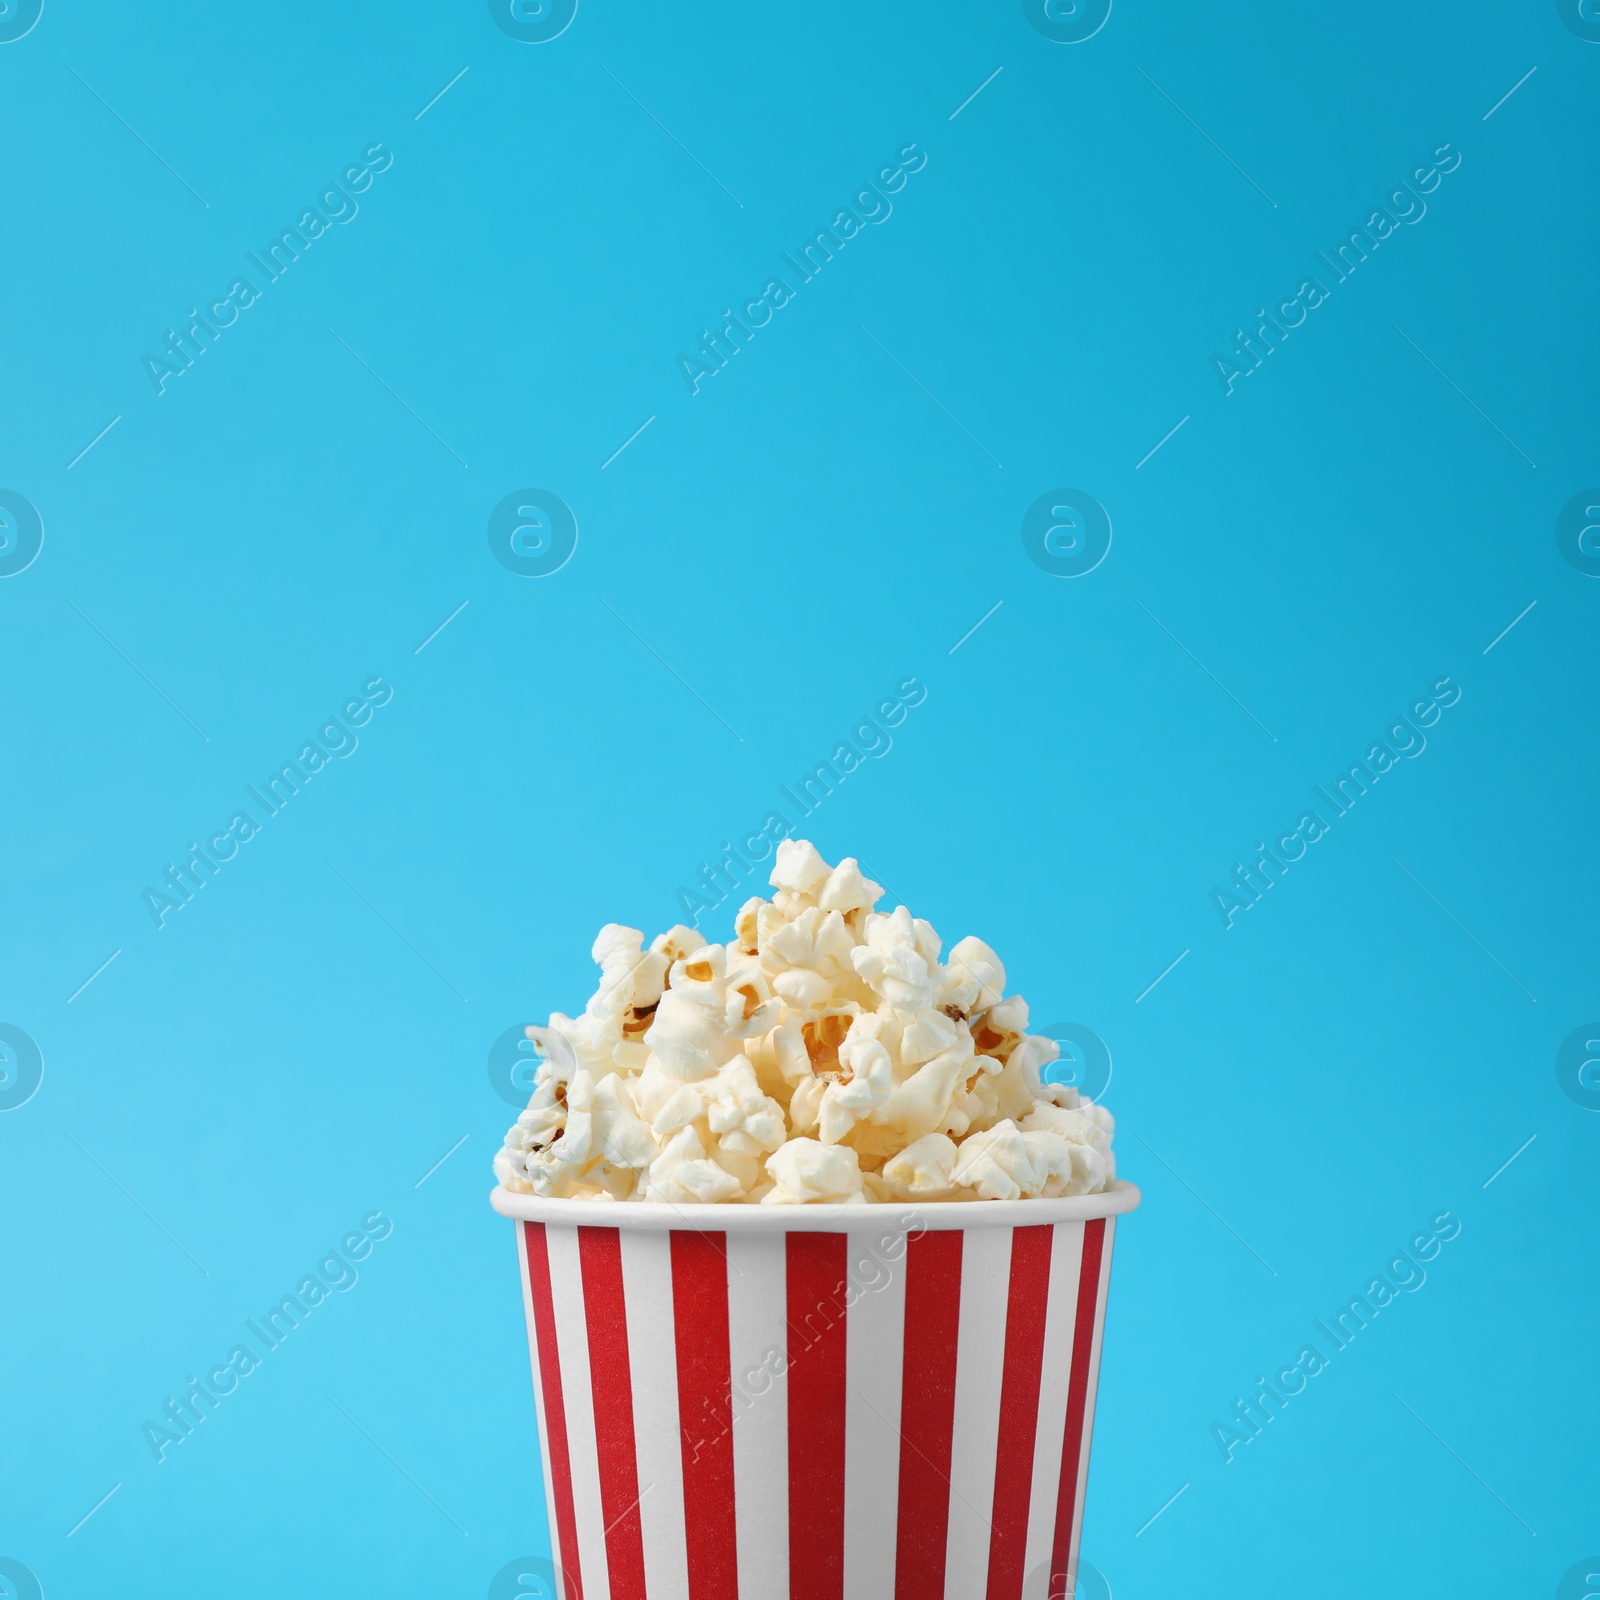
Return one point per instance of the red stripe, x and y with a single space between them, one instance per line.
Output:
1019 1408
600 1254
555 1411
1064 1555
927 1412
817 1270
705 1411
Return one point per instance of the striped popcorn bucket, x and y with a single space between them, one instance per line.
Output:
815 1402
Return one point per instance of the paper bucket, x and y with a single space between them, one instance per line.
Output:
886 1402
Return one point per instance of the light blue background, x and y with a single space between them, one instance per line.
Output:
811 528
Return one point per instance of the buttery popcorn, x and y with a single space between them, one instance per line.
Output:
825 1054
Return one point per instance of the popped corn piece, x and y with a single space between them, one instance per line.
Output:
794 1060
923 1170
1000 1164
746 922
825 1033
652 1089
743 1167
1031 1057
804 1172
583 1134
999 1030
873 1188
581 1041
630 1055
769 919
529 1140
846 890
799 868
614 1132
999 1093
750 1008
973 978
1010 1014
1092 1170
929 944
1072 1168
921 1103
509 1174
808 957
687 1037
1076 1123
1087 1129
611 1183
747 1121
929 1034
893 965
780 1062
1063 1165
677 942
681 1174
805 1105
742 1124
683 1106
631 978
865 1080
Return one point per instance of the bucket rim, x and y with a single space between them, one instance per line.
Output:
825 1217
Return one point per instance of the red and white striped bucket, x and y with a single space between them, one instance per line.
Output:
815 1402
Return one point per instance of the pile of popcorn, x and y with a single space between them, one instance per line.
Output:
825 1053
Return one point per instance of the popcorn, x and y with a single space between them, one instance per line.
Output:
804 1171
1000 1164
846 890
1087 1129
865 1080
682 1175
923 1101
799 868
973 978
1031 1057
808 957
824 1055
924 1170
689 1037
630 980
744 924
893 965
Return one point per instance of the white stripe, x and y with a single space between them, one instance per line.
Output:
758 1349
980 1366
1088 1402
1055 1381
874 1364
572 1343
562 1557
653 1368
